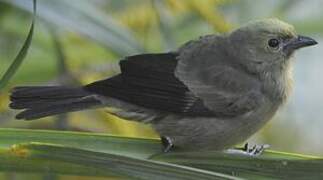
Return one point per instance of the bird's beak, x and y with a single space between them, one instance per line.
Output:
299 42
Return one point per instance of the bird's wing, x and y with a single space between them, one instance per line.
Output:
222 92
148 80
226 88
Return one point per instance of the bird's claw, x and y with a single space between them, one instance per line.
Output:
255 150
248 150
167 144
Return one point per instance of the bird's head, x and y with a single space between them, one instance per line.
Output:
263 44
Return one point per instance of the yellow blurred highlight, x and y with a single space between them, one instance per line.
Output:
143 16
19 151
4 100
140 18
208 11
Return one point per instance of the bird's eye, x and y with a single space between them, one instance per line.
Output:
273 43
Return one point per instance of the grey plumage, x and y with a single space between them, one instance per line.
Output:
211 93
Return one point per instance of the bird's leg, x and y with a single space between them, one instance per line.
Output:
255 150
167 143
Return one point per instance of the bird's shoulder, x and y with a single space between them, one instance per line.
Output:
206 51
203 42
203 39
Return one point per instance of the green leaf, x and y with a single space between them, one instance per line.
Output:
271 164
21 55
49 158
132 147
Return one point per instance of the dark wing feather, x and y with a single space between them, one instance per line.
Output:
148 80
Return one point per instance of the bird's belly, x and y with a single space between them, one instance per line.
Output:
207 133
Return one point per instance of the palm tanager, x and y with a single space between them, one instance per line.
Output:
209 94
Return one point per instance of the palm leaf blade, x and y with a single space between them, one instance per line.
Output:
105 164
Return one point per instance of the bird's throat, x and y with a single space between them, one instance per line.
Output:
277 83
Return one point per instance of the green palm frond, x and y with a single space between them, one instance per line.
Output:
105 155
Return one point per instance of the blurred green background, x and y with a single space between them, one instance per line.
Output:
80 41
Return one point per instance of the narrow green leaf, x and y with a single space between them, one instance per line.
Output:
21 55
47 158
269 165
12 161
132 147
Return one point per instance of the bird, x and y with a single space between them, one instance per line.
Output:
211 93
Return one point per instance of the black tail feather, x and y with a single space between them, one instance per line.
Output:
27 103
47 92
54 109
42 101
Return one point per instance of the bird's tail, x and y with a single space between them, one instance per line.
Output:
42 101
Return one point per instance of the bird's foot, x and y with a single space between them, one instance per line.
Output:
167 143
254 150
